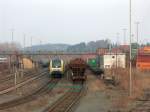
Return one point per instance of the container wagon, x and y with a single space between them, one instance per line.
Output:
93 65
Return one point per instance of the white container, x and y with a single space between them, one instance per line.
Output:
113 60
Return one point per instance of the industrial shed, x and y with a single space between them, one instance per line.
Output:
28 63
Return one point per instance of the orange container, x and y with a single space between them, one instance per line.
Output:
143 62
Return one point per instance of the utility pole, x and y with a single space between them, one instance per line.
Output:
31 44
117 42
24 40
124 33
41 44
137 29
130 29
31 47
137 35
12 35
12 38
15 76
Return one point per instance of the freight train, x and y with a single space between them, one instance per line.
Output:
78 67
94 66
56 68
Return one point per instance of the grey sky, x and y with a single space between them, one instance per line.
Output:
71 21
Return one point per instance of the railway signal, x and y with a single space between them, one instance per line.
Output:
137 36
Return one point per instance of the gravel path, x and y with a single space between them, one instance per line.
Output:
95 100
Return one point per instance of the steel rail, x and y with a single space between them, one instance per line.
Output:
32 96
67 101
42 73
11 76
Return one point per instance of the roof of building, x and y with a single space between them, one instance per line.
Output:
124 47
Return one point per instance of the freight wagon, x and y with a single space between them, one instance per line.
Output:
93 65
78 67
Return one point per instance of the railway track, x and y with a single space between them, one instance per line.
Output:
144 105
44 89
9 80
68 100
3 71
9 77
23 82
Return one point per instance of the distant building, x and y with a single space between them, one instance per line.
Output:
102 51
116 50
87 56
28 63
124 48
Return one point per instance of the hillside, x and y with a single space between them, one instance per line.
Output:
80 47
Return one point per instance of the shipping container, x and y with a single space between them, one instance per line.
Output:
144 50
94 65
143 62
92 62
113 60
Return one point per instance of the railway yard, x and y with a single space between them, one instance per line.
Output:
36 91
94 82
74 56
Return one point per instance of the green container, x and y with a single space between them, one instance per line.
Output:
92 62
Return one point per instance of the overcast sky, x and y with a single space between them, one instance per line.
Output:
71 21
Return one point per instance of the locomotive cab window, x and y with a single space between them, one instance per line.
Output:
56 63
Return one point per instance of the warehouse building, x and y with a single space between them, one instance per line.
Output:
28 63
